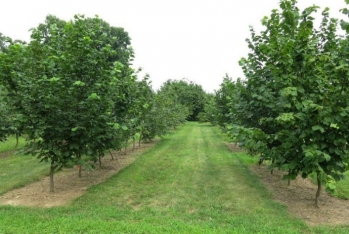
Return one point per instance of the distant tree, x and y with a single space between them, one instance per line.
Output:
188 94
6 125
3 42
210 110
225 98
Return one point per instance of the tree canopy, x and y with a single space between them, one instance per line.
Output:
188 94
293 106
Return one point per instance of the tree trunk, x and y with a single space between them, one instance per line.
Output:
272 171
289 180
79 169
134 143
79 166
260 160
139 141
52 171
318 190
111 154
100 161
125 147
17 136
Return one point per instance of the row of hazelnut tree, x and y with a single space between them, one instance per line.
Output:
72 93
293 106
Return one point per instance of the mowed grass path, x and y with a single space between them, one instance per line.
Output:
16 169
190 182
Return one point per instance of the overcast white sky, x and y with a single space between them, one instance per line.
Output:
200 40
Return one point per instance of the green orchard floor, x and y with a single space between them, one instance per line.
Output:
189 182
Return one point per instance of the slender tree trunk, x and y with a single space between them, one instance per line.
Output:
288 180
17 136
79 169
125 147
272 171
100 160
318 190
134 143
79 166
260 160
111 154
52 172
139 141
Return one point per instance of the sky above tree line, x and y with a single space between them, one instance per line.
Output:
199 40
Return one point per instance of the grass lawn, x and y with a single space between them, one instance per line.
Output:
11 143
190 182
16 170
343 187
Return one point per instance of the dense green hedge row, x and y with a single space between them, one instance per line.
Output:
293 106
72 92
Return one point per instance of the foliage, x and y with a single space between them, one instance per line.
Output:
189 94
6 111
293 107
4 43
165 114
210 110
5 116
117 38
72 93
131 106
219 108
62 86
166 182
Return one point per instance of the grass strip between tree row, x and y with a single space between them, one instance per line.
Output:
190 182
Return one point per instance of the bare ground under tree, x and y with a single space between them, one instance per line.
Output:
299 197
68 185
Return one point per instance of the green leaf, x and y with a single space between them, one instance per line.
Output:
52 64
327 157
79 83
116 126
54 79
292 165
93 96
331 186
319 128
334 126
338 152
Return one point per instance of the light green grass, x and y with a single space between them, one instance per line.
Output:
190 182
10 144
343 187
18 170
